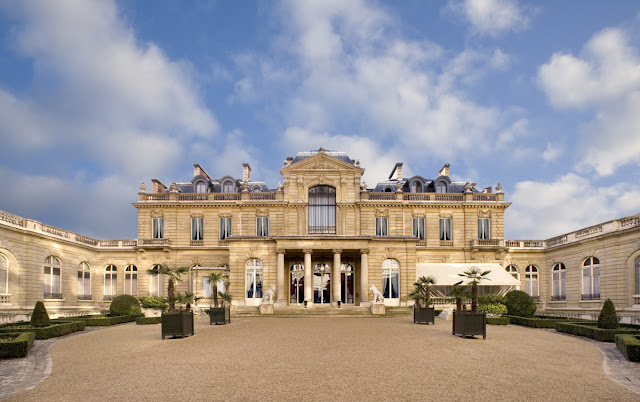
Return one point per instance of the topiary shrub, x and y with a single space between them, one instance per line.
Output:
125 305
39 316
608 318
154 302
494 309
520 304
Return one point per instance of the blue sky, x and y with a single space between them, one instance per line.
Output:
99 96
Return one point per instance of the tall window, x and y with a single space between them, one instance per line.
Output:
638 275
513 270
52 283
254 278
558 289
262 226
441 187
381 226
322 210
110 282
347 279
197 228
228 187
4 275
321 283
131 280
390 279
484 228
591 279
158 228
418 228
531 281
201 187
225 227
445 229
84 281
156 283
296 285
207 287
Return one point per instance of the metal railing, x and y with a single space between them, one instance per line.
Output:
322 230
108 297
84 297
52 295
559 298
594 296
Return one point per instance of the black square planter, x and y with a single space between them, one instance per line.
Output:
220 315
469 323
423 315
179 323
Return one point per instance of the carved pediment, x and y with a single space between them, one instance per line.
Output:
321 162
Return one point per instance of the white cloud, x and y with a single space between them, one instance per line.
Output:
490 17
551 153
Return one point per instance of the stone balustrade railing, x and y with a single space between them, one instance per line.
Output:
209 197
5 298
487 243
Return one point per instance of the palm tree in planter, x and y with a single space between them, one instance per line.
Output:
422 313
459 293
174 323
471 323
217 314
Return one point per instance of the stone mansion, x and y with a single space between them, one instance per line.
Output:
321 238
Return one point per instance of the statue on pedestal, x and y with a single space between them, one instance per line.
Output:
269 295
377 296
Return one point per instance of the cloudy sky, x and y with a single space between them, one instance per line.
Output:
99 96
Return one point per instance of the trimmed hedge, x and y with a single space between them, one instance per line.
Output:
39 316
124 305
629 345
58 329
498 320
591 330
106 321
547 322
148 320
18 347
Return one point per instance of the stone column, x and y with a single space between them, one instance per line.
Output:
308 277
280 277
364 277
336 288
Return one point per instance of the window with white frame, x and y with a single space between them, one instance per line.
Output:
591 279
445 229
156 283
484 228
52 278
254 278
110 281
513 270
441 187
197 228
558 279
262 226
131 280
4 275
207 288
390 279
531 281
158 228
638 276
381 226
225 227
418 228
84 281
228 186
201 187
322 210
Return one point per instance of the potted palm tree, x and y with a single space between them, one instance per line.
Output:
422 313
469 323
174 323
218 314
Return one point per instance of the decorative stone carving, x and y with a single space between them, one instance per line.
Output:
173 188
377 296
382 212
468 187
447 314
499 187
364 251
269 295
279 188
281 251
363 186
143 187
484 213
399 187
308 251
337 251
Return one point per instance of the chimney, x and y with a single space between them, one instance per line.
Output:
487 190
444 171
396 173
288 161
196 170
246 172
158 187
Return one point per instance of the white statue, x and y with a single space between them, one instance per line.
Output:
269 295
377 296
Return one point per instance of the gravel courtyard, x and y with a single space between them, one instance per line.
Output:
325 358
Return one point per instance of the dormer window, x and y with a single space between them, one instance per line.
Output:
256 189
201 187
441 187
416 187
228 187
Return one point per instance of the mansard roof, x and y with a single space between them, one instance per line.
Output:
336 154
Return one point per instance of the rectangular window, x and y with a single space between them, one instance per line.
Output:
84 284
559 286
591 283
381 226
197 228
262 226
484 228
445 229
158 228
531 285
225 227
418 228
156 285
206 287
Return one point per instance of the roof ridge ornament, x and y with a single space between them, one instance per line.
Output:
321 149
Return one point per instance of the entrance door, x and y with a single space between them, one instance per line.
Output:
322 284
296 284
391 282
347 280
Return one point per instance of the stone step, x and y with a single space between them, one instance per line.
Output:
301 311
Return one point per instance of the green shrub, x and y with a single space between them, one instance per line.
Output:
125 305
608 318
520 304
493 308
17 345
491 299
591 330
107 321
39 316
629 345
154 302
58 329
148 320
498 320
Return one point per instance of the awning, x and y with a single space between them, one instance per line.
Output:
447 274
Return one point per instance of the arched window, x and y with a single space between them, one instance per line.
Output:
531 281
52 275
347 279
228 186
296 285
201 187
513 270
441 187
256 189
388 190
416 187
558 289
322 210
84 281
591 279
4 275
254 280
391 281
156 283
638 275
321 283
110 282
131 280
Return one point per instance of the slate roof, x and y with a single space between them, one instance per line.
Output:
336 154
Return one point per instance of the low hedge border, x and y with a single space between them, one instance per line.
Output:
498 320
58 329
148 320
19 347
541 322
629 345
590 330
106 321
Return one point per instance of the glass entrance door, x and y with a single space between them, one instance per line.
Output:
347 280
322 284
296 284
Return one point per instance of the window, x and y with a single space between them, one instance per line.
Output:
418 228
131 280
484 228
381 226
254 278
513 270
225 227
322 283
156 283
390 279
591 279
201 187
441 187
296 285
416 187
84 281
52 284
638 275
197 228
531 281
228 187
207 288
445 229
347 279
158 228
256 189
4 275
110 282
322 210
262 226
558 289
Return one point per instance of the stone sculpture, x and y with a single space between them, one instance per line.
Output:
269 295
377 296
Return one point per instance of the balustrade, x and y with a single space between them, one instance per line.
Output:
446 243
15 220
485 197
262 196
5 298
382 196
417 197
55 231
197 242
449 197
486 242
630 222
588 231
154 242
555 241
